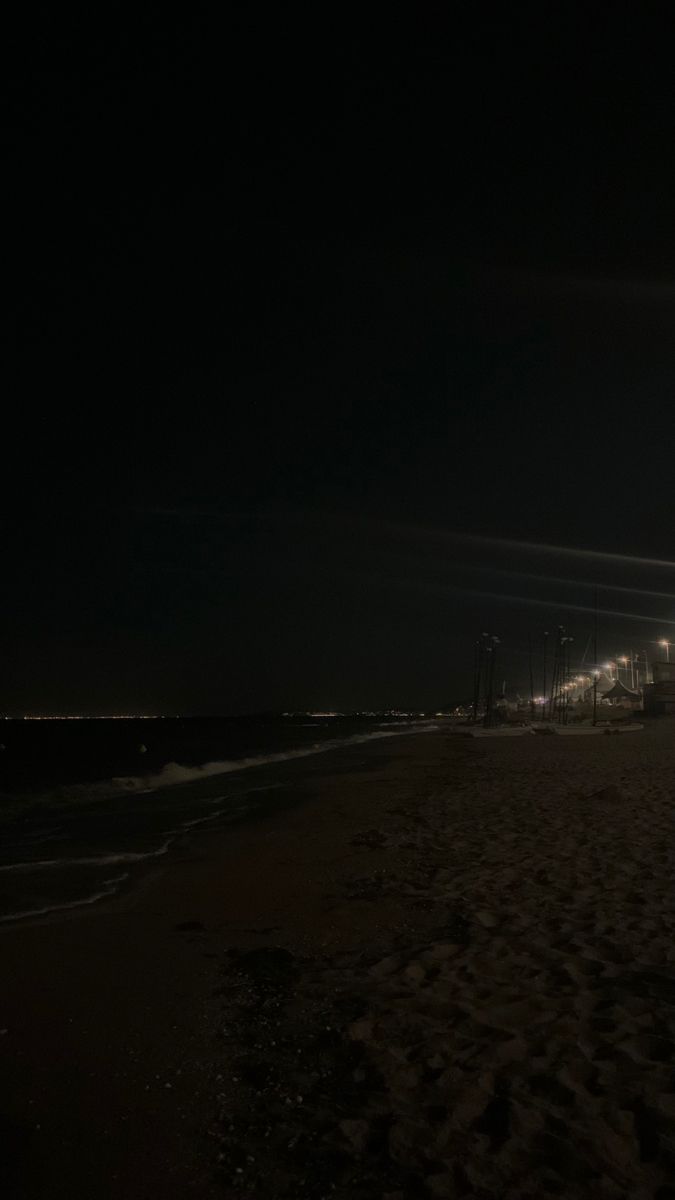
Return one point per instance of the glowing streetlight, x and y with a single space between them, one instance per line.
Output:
663 642
625 659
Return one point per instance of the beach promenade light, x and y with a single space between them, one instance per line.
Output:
628 660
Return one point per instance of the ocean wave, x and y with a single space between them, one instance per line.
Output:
130 856
69 796
108 888
407 724
174 773
93 860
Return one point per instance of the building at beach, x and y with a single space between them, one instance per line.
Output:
622 696
660 695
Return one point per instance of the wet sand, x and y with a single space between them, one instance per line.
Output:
447 970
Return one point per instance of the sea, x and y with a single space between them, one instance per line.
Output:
86 804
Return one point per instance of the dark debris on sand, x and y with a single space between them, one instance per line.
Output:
303 1114
513 1037
368 1078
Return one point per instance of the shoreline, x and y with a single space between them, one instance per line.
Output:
500 909
64 1035
182 796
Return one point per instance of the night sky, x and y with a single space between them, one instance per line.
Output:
304 322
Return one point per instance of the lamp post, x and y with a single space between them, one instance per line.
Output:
543 714
595 657
663 642
477 671
491 652
641 669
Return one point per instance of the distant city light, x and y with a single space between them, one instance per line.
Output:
107 717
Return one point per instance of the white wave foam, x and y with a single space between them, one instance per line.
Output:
129 856
110 886
94 860
406 725
174 773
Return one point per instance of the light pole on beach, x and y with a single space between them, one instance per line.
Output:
641 669
491 653
595 658
543 714
479 655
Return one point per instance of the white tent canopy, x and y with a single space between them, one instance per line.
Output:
605 685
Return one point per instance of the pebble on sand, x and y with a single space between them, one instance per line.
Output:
488 919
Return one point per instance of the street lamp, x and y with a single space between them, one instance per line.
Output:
663 642
626 660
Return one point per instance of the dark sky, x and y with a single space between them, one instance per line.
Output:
290 307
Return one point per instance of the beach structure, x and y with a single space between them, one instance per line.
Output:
621 695
484 697
577 689
604 685
659 696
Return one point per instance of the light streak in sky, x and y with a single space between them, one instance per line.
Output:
324 518
510 598
570 551
568 582
523 546
585 608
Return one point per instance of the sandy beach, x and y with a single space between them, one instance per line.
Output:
444 968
